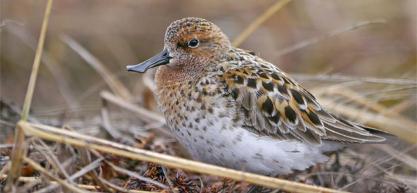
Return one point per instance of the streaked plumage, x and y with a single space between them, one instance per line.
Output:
232 108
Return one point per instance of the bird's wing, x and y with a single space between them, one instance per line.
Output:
275 105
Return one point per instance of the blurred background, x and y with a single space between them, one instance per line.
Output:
357 56
125 32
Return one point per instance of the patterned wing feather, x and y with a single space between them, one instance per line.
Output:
275 105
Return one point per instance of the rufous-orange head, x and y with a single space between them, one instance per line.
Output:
188 42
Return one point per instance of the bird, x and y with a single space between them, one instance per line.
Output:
231 108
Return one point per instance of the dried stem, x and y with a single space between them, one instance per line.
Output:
19 147
19 150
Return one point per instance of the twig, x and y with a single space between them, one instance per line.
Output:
19 147
115 85
259 21
76 139
314 40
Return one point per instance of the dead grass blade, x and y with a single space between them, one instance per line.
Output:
19 147
314 40
74 176
344 78
409 180
118 188
43 149
148 81
83 186
368 104
410 161
258 22
387 124
392 122
115 85
105 117
169 181
137 176
18 152
76 139
49 175
50 62
6 22
400 107
36 63
146 116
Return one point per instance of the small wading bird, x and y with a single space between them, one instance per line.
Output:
232 108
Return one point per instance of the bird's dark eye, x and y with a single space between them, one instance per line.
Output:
193 43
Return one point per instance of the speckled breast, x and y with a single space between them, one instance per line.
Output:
195 110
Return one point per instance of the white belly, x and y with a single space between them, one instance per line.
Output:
241 149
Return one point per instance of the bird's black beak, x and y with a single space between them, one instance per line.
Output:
159 59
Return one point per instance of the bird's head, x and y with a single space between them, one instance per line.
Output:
188 43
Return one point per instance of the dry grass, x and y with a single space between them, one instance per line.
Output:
19 148
126 147
115 149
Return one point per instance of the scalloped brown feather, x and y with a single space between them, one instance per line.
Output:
278 106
